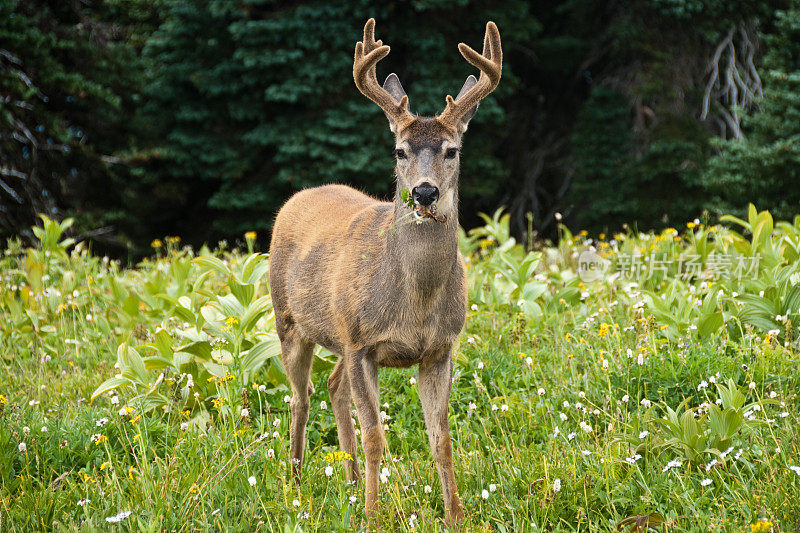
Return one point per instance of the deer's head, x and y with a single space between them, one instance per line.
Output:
427 148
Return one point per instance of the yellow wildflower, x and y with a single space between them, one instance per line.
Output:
333 457
135 419
3 400
762 526
174 239
100 440
106 464
690 225
131 471
156 244
251 235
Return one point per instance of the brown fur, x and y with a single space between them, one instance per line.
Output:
361 278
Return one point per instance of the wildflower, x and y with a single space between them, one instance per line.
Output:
472 406
385 475
703 384
711 464
540 391
644 434
287 399
106 464
353 499
632 460
245 412
625 398
480 365
762 526
276 422
84 501
251 235
270 453
184 426
23 448
726 452
640 360
556 432
646 403
795 469
504 408
706 482
492 487
557 485
412 381
485 494
252 481
100 439
752 385
494 407
585 427
672 464
563 417
587 453
296 503
102 422
119 517
156 243
571 436
114 400
26 430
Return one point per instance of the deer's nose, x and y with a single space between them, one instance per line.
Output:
425 194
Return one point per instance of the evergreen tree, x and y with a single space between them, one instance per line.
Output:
764 167
68 76
252 101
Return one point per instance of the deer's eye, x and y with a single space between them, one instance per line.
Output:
399 153
450 153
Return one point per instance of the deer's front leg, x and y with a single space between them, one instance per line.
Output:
435 380
362 370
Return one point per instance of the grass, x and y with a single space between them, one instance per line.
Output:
560 410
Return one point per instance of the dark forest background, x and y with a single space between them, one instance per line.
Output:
198 118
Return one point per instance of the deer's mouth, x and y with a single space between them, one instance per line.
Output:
424 213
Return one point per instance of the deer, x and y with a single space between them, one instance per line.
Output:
381 284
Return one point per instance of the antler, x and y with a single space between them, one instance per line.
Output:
368 53
490 63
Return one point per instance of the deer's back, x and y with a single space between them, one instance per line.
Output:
319 241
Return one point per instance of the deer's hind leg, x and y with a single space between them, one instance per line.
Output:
342 401
297 355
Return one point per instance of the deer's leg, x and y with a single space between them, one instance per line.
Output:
435 380
297 354
341 401
362 369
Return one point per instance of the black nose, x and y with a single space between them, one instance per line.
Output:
425 194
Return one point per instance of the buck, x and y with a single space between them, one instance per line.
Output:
381 283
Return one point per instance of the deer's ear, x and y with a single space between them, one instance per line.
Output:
464 121
393 86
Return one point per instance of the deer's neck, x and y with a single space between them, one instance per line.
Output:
426 252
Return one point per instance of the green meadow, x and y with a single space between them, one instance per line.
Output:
656 389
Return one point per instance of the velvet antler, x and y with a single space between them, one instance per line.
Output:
490 63
368 53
